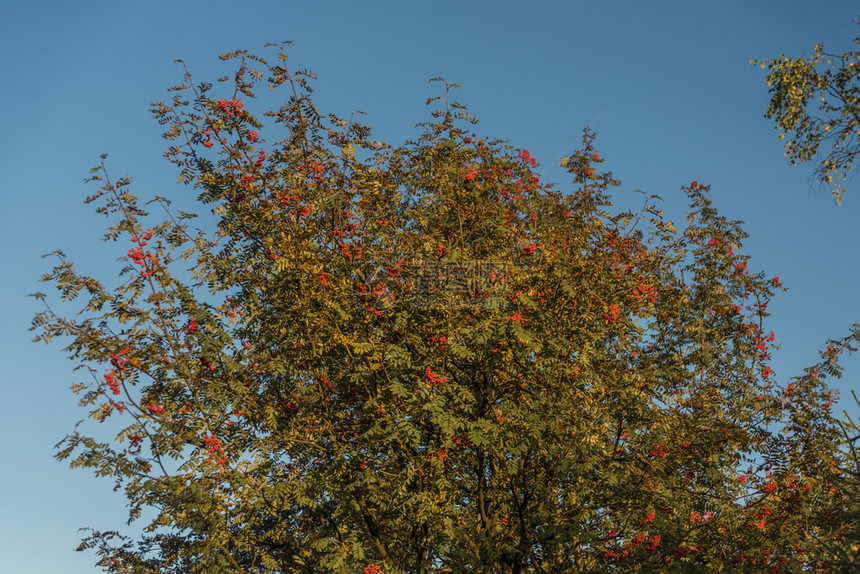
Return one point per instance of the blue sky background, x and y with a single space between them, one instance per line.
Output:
666 85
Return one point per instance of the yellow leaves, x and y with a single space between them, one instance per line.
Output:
101 413
312 268
352 344
281 264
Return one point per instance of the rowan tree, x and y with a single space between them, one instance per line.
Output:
816 101
421 358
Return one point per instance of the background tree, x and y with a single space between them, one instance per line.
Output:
816 101
422 359
846 545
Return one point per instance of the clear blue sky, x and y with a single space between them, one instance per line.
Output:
666 86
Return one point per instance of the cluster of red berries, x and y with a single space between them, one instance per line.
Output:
659 450
214 447
350 253
230 107
517 318
462 441
432 378
192 327
112 381
526 157
155 408
246 181
613 313
441 456
118 361
139 256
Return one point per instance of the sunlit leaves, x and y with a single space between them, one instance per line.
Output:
424 358
816 102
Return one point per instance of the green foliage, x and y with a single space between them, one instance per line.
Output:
420 358
816 101
846 547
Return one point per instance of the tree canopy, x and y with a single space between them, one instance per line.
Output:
422 358
816 102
